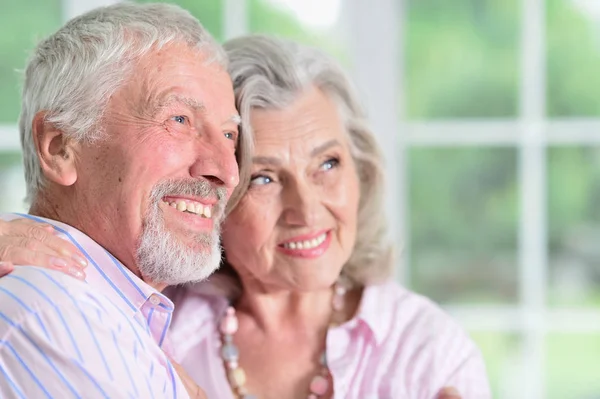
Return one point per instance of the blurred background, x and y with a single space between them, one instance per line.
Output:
489 115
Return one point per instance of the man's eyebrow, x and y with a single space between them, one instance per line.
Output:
176 98
235 119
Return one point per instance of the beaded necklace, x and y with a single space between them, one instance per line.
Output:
319 385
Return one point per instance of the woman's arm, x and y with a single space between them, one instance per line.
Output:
25 242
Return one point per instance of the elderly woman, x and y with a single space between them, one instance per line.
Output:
304 305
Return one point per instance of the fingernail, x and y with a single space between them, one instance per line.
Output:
450 391
77 273
58 263
5 265
80 260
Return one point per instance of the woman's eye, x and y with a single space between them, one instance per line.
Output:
260 180
229 135
330 164
179 119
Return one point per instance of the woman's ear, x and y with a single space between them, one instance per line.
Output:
55 151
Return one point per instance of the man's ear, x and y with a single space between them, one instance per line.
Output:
55 151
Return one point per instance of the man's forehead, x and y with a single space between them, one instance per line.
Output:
168 99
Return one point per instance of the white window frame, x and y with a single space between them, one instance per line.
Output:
379 70
375 41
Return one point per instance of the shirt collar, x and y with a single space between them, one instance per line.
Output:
375 310
106 271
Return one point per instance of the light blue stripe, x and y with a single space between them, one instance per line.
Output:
124 272
149 387
146 376
92 261
41 352
162 305
125 365
62 319
128 319
33 377
151 369
14 387
172 373
144 324
92 379
150 313
28 309
94 308
166 327
86 321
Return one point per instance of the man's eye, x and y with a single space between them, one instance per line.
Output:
179 119
229 135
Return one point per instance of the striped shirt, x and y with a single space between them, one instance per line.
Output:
399 345
102 338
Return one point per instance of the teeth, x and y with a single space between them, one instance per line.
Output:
307 244
191 207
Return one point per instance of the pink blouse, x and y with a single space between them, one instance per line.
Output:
399 345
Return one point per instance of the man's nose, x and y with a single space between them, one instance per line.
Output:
215 161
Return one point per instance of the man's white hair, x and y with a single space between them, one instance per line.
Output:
72 74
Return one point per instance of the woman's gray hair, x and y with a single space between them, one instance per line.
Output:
270 73
72 74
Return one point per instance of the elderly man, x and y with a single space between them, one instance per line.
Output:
129 130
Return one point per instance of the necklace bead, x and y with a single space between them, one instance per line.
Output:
319 385
229 324
237 377
230 352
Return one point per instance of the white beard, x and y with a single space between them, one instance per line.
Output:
162 257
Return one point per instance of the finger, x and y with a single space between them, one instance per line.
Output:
5 268
449 393
20 226
19 255
44 234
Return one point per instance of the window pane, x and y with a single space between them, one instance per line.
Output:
501 353
12 182
463 224
22 24
572 366
574 226
298 20
462 58
209 12
573 57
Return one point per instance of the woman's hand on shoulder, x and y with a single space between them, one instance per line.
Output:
25 242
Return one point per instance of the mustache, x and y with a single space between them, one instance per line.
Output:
190 187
